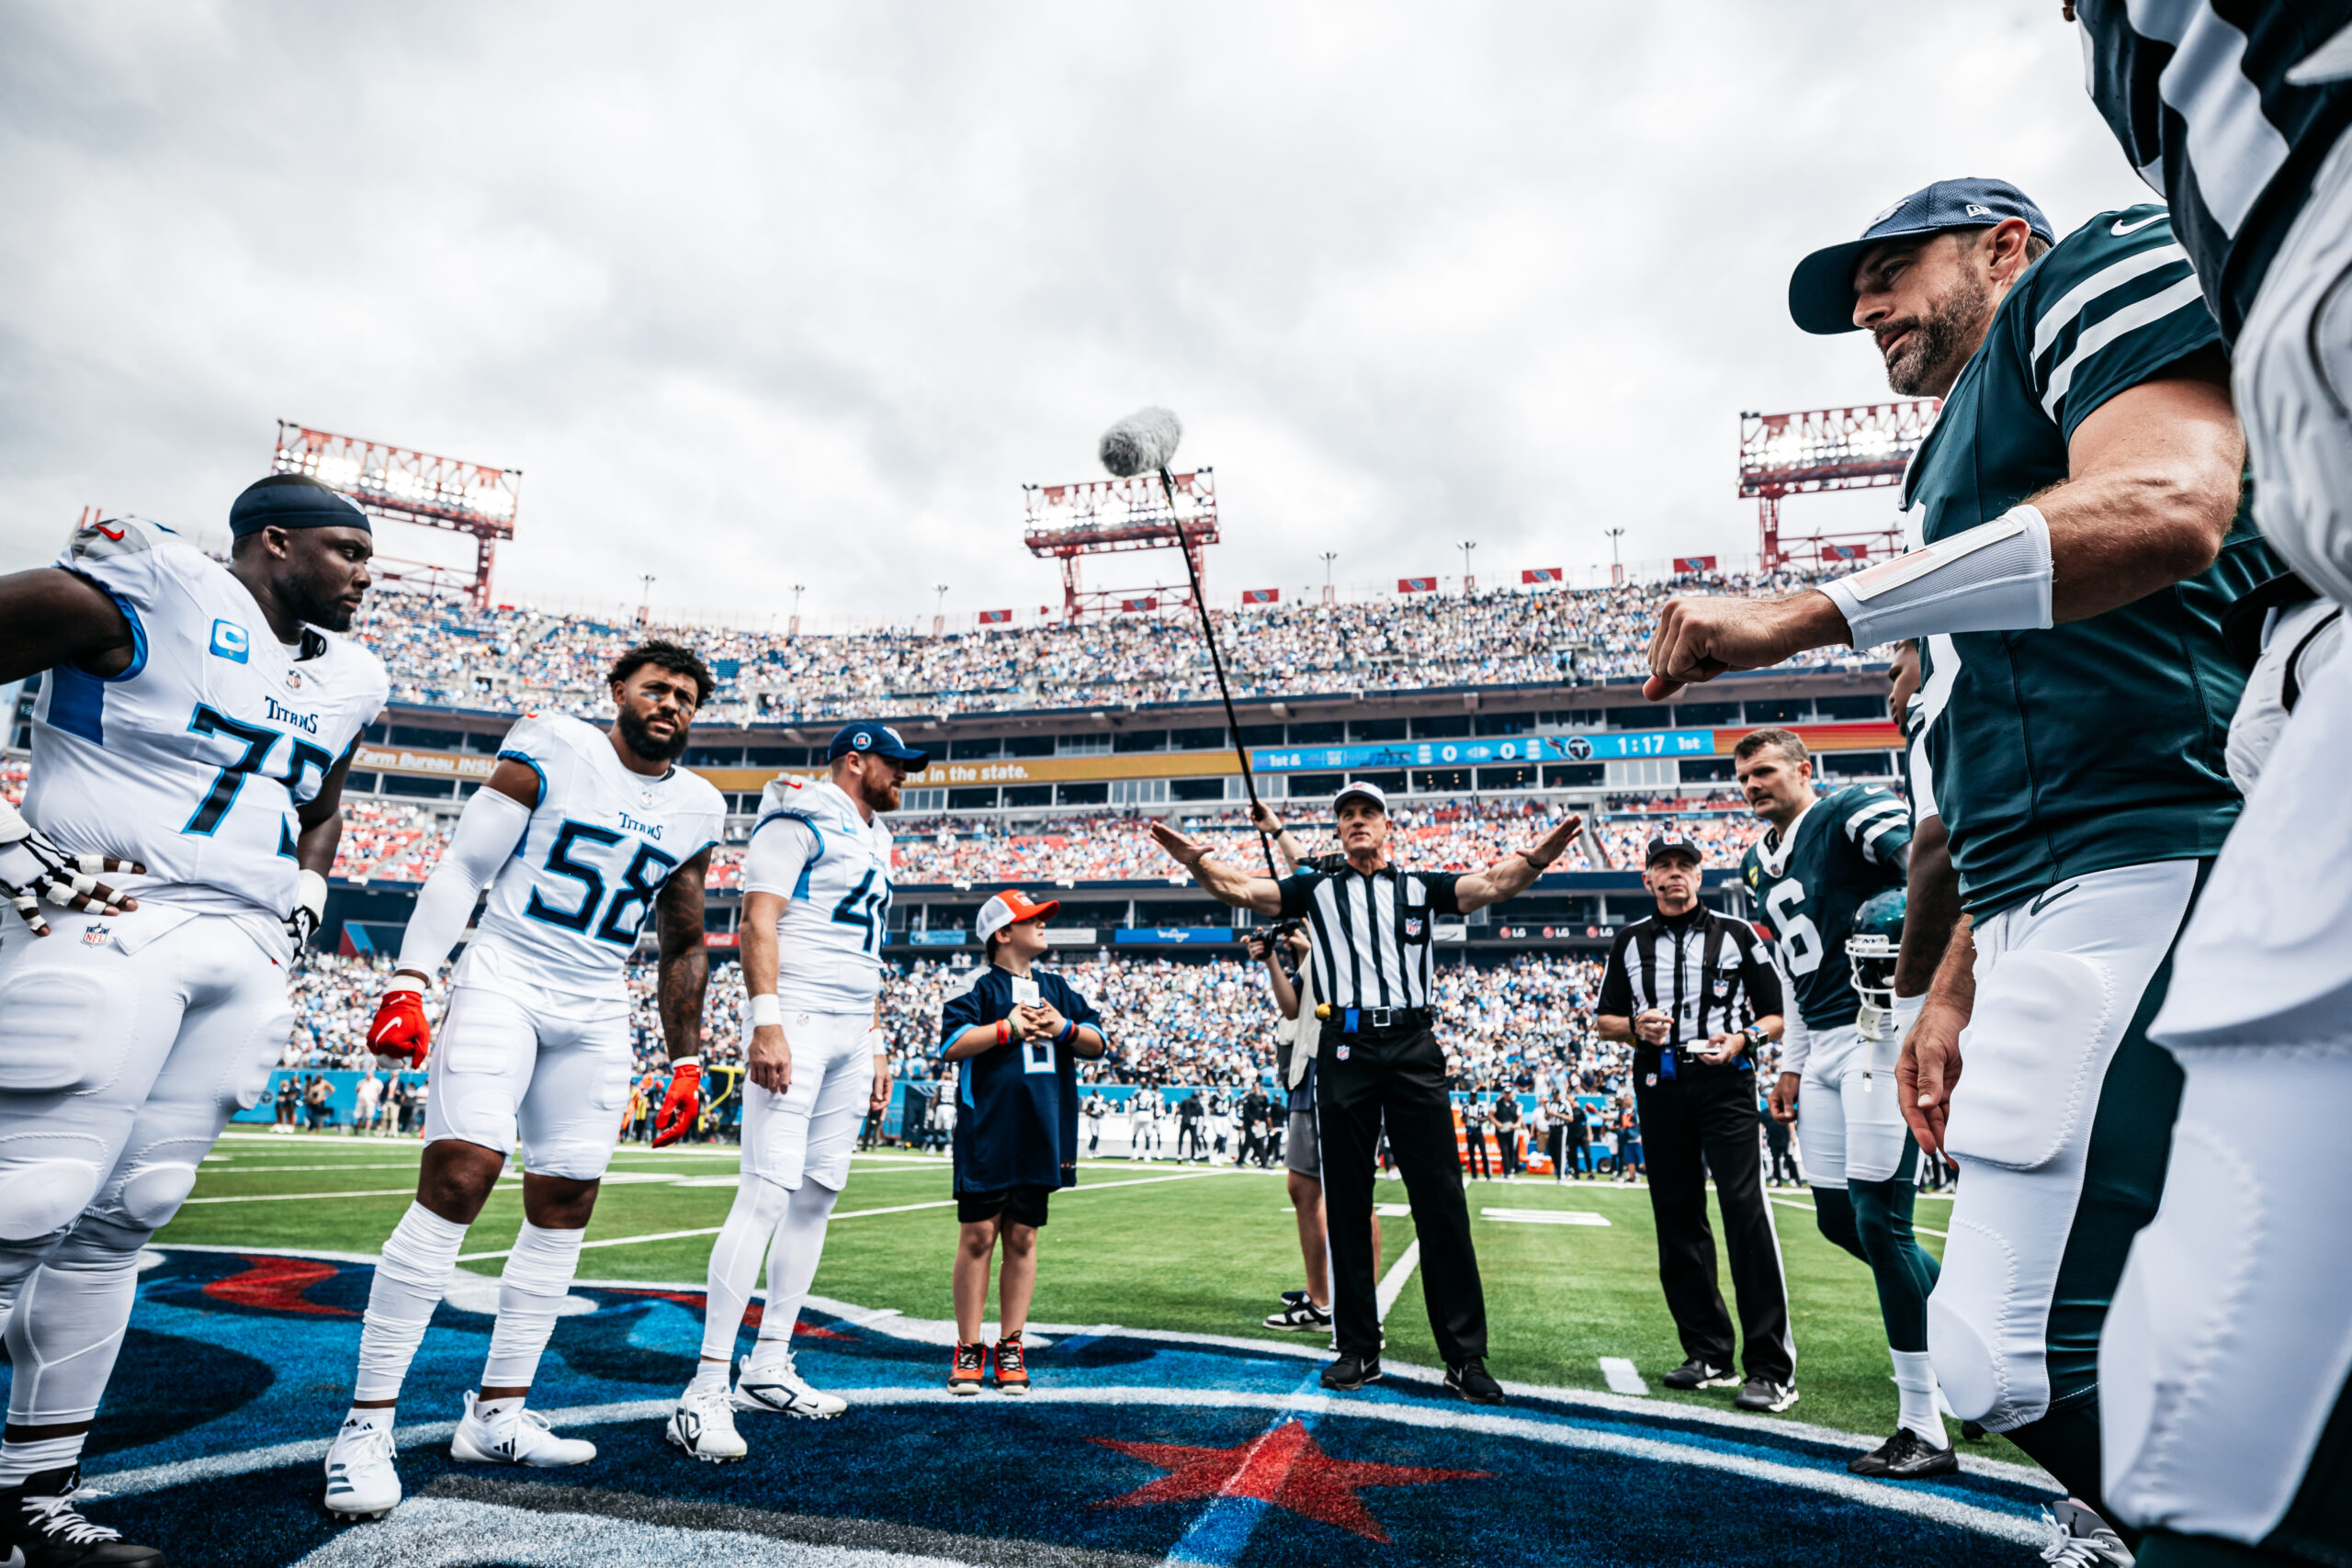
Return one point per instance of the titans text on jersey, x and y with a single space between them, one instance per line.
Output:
564 913
196 757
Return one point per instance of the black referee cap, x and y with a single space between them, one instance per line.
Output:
1667 845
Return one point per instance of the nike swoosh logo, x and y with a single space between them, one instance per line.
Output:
114 534
2123 228
2049 898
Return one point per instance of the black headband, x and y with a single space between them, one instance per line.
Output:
292 500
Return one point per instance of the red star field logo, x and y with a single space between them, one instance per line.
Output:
1285 1467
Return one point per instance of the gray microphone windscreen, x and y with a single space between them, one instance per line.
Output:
1143 442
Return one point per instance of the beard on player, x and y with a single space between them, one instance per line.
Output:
653 748
1926 354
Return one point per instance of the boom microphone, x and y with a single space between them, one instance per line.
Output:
1145 442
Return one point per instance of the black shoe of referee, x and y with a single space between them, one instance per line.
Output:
1350 1372
1696 1373
1473 1383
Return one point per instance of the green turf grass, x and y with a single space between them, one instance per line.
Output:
1209 1253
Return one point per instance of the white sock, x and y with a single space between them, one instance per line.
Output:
735 1260
537 1278
369 1415
19 1461
708 1375
792 1266
491 1409
419 1256
1915 1380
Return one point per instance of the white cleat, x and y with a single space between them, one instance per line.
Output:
703 1425
361 1481
519 1436
774 1385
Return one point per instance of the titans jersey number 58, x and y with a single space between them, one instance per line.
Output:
565 912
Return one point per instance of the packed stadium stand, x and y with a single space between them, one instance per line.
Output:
1486 718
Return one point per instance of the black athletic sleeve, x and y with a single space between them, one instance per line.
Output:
1443 899
1616 983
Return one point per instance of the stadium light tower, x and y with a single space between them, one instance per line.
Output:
1468 581
1068 523
404 486
1616 562
1327 558
1864 447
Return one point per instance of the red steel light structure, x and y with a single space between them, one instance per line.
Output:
404 486
1096 517
1864 447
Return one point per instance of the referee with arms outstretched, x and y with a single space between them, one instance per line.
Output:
1695 994
1378 1060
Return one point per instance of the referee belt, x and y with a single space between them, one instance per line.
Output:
1374 1021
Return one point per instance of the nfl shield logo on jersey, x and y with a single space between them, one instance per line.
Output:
1413 925
95 934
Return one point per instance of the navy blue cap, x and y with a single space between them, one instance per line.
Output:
881 740
1821 291
292 500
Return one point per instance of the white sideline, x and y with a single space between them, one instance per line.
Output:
1392 1284
1809 1209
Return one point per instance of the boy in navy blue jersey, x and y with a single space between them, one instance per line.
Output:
1015 1034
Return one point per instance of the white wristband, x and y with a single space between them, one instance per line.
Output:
311 893
1991 577
766 1012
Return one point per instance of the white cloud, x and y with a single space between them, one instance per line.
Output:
763 295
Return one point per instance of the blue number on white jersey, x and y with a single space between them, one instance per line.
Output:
565 912
196 758
830 939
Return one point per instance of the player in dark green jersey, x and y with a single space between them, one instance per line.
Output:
2075 508
1820 860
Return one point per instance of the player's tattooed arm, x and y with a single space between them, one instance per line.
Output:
685 961
51 616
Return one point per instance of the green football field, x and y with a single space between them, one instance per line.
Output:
1143 1245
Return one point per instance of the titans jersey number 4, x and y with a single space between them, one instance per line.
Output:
838 908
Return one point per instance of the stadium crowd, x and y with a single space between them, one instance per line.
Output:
443 653
393 842
1526 1024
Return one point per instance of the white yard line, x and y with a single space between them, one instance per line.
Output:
1392 1284
1620 1376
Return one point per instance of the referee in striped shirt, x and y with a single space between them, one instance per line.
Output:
1373 925
1696 996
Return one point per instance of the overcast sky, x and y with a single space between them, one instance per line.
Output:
762 294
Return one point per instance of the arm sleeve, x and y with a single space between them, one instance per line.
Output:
780 850
488 830
1616 985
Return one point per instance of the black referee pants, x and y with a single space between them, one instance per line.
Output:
1710 1111
1401 1080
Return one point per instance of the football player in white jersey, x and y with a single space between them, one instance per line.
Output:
580 835
816 904
195 725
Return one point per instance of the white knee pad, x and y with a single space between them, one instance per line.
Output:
39 1197
69 1028
151 1194
2034 1053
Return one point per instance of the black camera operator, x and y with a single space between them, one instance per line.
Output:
1696 995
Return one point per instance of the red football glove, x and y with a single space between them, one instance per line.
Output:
400 1029
683 1105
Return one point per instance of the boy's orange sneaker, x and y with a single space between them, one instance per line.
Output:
970 1368
1012 1367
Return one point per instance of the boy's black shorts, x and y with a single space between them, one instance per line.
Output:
1021 1205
